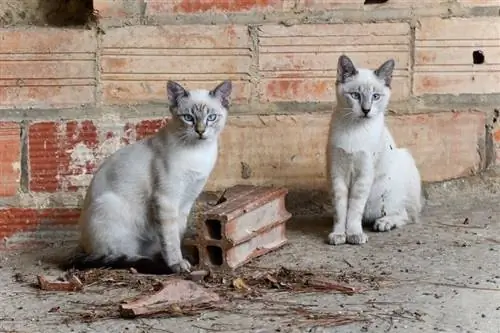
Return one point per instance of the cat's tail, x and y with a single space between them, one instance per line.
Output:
81 260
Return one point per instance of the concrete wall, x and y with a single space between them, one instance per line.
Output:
71 96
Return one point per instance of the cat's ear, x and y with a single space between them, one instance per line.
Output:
222 92
174 92
345 69
384 72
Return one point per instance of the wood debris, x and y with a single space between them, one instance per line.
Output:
73 283
297 281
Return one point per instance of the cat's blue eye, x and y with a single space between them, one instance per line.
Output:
356 95
376 97
212 117
187 117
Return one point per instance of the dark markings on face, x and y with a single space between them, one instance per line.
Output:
201 116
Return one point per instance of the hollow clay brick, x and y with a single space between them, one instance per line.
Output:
250 222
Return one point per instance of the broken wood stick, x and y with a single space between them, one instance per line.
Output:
331 285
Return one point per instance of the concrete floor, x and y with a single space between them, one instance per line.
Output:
441 275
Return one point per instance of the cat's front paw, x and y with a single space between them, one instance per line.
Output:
336 238
182 267
384 224
357 239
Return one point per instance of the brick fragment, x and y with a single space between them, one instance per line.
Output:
10 158
249 223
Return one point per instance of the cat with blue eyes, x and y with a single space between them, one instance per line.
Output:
372 180
137 205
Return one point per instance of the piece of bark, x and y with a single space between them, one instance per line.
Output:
174 294
73 284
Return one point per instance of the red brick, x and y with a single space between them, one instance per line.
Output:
461 136
248 223
16 220
47 67
294 147
298 63
444 56
50 146
285 150
76 148
10 158
137 61
146 128
257 246
159 7
117 8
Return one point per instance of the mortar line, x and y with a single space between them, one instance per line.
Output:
253 31
411 70
98 77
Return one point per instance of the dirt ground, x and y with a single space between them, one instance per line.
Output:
441 275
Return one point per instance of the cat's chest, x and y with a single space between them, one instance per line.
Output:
366 138
194 163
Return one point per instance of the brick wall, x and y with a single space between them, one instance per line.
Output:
71 96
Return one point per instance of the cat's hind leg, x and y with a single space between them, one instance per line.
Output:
395 196
390 222
112 236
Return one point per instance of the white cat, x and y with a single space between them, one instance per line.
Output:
371 180
138 202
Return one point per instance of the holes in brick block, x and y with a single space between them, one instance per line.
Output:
214 229
478 57
373 2
215 255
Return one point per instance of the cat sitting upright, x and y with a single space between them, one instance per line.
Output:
372 181
138 202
